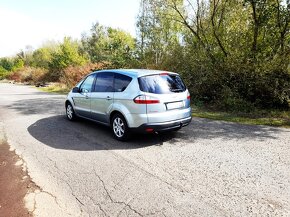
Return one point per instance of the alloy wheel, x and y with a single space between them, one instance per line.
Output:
69 111
118 127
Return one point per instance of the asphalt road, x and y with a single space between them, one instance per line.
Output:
209 168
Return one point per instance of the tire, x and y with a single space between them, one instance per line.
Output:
70 113
120 128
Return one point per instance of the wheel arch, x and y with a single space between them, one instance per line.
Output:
67 101
114 112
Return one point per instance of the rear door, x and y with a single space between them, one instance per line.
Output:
82 99
102 96
168 95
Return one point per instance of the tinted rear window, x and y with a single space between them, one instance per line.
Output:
105 82
161 84
121 82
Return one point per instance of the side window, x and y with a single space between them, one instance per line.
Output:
105 82
121 82
88 83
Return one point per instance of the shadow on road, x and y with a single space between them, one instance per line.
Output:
208 129
83 135
48 105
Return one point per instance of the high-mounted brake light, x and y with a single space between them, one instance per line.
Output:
163 73
145 100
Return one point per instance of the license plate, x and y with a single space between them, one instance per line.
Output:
175 105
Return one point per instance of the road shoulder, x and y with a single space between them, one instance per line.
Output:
15 183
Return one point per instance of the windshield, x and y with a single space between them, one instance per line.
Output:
161 84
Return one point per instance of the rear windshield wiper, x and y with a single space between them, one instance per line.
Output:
176 90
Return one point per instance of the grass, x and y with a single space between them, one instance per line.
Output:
55 88
259 117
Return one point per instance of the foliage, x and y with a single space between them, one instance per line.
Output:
233 54
119 47
59 88
109 44
43 55
29 75
73 74
158 36
3 73
258 117
17 64
68 54
6 64
94 43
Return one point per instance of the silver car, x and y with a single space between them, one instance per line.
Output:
131 100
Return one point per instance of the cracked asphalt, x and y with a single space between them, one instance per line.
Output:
210 168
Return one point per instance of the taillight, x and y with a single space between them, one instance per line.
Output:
142 99
188 96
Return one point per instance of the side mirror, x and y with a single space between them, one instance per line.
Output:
75 90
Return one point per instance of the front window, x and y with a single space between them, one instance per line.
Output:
88 83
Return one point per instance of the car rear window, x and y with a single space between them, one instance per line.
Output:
161 84
121 82
105 82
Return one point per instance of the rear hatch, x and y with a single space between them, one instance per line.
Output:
167 98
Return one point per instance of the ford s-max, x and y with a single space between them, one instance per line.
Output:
131 100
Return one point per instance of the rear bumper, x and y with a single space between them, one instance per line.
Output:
164 126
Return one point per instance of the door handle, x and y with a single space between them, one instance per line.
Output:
109 98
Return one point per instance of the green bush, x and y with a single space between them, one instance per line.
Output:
3 73
231 101
67 55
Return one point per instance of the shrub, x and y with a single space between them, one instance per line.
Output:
67 55
231 101
73 74
3 73
29 74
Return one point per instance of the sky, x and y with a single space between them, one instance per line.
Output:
33 22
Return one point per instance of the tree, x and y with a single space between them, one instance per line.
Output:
68 54
93 44
6 64
229 51
119 48
109 44
43 55
157 35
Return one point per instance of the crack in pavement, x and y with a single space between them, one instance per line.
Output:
66 182
99 205
156 212
112 200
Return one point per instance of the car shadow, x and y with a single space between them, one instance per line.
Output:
84 135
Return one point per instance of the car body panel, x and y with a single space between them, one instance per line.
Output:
171 107
82 104
101 105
